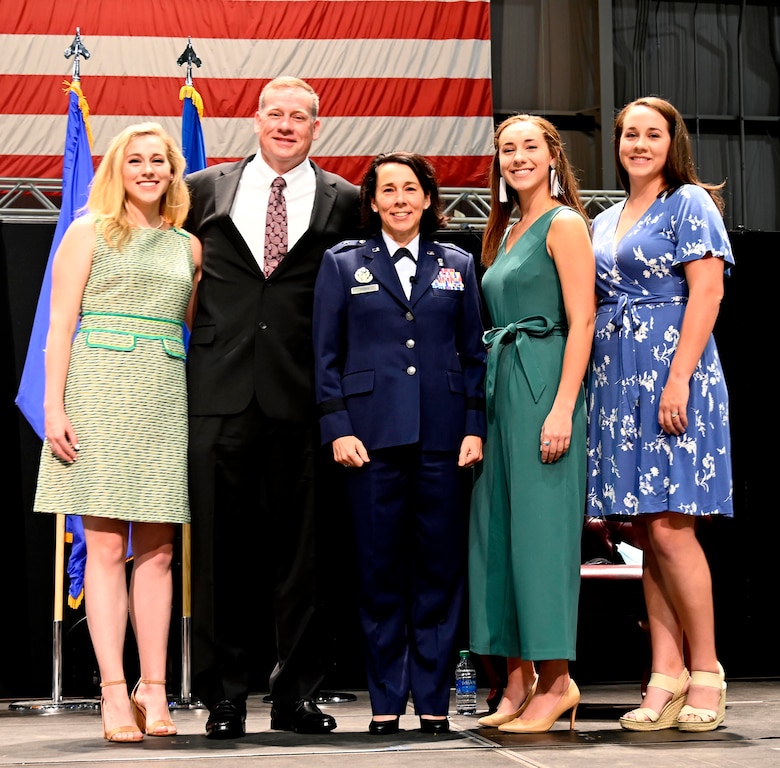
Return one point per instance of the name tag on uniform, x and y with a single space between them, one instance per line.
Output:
448 279
364 288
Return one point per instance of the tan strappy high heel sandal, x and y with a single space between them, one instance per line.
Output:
150 729
114 732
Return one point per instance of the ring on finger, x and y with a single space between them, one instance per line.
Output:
546 442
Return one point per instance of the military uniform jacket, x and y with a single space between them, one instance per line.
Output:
395 371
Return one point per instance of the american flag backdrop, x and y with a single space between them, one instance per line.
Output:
391 74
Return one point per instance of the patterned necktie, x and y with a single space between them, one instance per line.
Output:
275 227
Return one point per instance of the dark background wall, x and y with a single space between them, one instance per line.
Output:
742 551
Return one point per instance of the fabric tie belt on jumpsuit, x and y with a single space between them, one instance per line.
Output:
497 340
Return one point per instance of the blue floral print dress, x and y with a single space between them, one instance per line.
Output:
634 467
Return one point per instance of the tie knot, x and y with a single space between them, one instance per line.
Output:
401 253
278 183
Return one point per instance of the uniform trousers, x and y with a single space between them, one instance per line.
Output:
410 514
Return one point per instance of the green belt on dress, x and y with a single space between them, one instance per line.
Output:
497 340
122 332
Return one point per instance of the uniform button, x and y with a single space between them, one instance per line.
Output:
410 343
409 316
262 326
411 370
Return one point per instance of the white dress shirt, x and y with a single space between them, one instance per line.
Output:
406 268
251 203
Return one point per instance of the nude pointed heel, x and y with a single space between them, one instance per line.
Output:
709 719
139 711
667 717
570 700
495 719
114 732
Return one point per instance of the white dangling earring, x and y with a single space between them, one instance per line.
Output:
556 190
503 197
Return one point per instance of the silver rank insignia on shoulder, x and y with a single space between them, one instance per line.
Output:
363 275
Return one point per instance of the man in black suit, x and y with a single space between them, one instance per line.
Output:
253 426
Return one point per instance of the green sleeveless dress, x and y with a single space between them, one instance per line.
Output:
526 516
125 393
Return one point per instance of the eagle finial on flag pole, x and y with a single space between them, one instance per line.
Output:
77 49
189 57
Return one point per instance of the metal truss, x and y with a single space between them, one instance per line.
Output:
38 200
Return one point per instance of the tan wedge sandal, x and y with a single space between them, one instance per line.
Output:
708 719
667 717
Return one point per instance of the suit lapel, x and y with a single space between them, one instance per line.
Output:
225 190
325 195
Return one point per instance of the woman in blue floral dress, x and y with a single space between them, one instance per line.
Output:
659 444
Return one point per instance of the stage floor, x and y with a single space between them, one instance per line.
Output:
749 739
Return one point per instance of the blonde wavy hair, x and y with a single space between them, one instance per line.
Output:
107 196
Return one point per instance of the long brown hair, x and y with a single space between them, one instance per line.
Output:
500 213
679 168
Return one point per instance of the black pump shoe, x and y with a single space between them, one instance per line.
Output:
384 727
434 726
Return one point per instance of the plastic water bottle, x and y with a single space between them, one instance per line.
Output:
465 685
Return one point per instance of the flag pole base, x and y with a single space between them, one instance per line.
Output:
185 703
324 697
46 707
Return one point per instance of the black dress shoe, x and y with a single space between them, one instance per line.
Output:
383 727
435 726
302 716
227 720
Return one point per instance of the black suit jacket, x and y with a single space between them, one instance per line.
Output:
251 335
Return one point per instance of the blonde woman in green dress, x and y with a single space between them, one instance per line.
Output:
123 284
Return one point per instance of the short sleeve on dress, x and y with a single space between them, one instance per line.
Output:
698 226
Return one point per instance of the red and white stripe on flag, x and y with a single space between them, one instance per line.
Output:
391 74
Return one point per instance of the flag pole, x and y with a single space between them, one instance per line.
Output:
185 700
57 702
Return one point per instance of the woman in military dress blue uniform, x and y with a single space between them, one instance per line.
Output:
399 382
